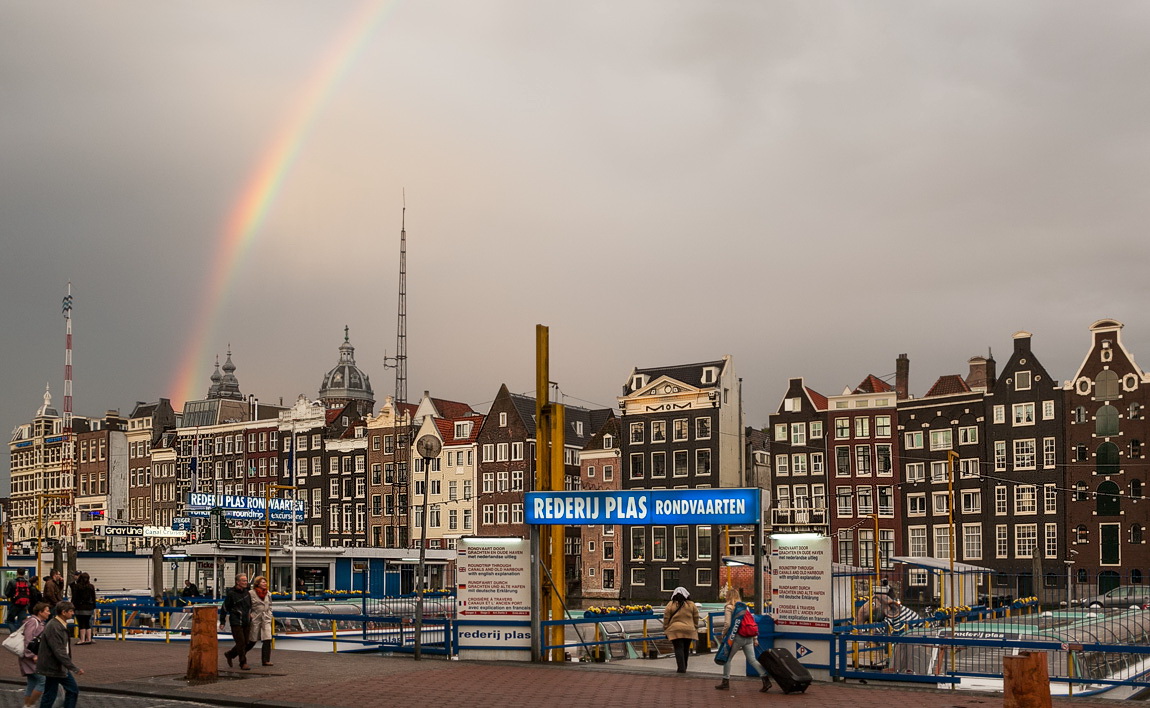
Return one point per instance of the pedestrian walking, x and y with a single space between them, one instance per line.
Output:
736 612
84 598
55 659
37 594
236 610
261 619
54 588
33 627
681 625
19 594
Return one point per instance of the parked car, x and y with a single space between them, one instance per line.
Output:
1124 596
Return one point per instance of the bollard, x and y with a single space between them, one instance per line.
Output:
1026 681
203 649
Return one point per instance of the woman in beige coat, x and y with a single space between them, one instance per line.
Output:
261 618
681 625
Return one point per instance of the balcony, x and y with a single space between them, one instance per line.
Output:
799 519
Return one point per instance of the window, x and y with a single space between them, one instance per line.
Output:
638 576
608 473
941 439
886 501
1000 501
1050 549
1024 454
658 431
658 543
882 426
1107 459
912 441
842 428
816 429
637 465
862 459
488 482
1025 540
780 432
1134 412
638 543
999 414
1001 541
916 542
636 432
502 482
1106 386
842 461
502 452
939 471
703 542
1136 533
846 550
916 505
489 452
1107 501
679 429
940 503
968 435
844 502
679 461
798 433
1000 455
865 501
682 543
968 468
503 419
1049 499
782 465
1049 453
1106 421
798 464
516 451
1022 381
501 513
972 541
1048 410
658 464
941 541
916 472
1025 501
862 427
1022 414
972 501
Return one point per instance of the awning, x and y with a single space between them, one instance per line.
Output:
941 565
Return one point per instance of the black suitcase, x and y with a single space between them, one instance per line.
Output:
785 669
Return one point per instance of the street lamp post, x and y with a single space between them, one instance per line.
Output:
428 447
40 528
951 456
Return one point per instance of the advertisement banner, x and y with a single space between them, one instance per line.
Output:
644 506
494 583
235 507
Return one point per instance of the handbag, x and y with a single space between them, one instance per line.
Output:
15 642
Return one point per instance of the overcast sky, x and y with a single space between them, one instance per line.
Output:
811 187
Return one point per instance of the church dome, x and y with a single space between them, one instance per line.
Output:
346 382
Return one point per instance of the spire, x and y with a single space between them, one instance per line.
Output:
44 409
214 389
229 384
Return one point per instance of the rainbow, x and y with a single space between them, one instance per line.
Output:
259 193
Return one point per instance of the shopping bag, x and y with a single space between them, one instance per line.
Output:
15 642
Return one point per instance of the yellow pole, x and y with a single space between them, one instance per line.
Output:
39 533
558 533
268 534
543 465
334 639
951 456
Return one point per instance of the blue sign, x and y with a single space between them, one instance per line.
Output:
235 507
644 506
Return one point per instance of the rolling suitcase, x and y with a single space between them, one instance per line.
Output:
786 670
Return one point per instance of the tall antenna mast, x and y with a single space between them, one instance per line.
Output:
403 431
69 451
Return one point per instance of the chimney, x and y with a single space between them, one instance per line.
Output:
979 366
902 377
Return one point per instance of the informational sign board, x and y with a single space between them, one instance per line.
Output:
494 584
801 586
199 505
645 506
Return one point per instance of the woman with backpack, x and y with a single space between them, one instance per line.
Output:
681 625
739 637
84 598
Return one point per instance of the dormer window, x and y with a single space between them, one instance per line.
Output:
710 374
608 442
578 427
503 419
462 430
638 381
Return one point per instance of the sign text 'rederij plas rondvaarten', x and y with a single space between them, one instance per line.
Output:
645 506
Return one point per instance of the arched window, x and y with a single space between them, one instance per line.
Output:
1080 491
1080 576
1082 535
1136 533
1136 576
1107 502
1106 422
1080 453
1107 462
1136 448
1079 415
1135 488
1106 386
1134 412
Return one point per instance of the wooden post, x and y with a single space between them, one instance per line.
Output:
1026 681
203 650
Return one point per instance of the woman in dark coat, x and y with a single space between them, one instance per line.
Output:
84 598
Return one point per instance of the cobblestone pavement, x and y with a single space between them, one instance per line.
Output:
14 698
311 679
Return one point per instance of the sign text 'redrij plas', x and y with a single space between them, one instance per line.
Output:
646 506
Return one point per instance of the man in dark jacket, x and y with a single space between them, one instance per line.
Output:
19 594
54 661
237 611
54 588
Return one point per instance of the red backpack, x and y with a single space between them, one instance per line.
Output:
21 593
747 626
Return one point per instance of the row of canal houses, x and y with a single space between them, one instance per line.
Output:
1047 475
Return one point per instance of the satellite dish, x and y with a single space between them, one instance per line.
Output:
428 446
